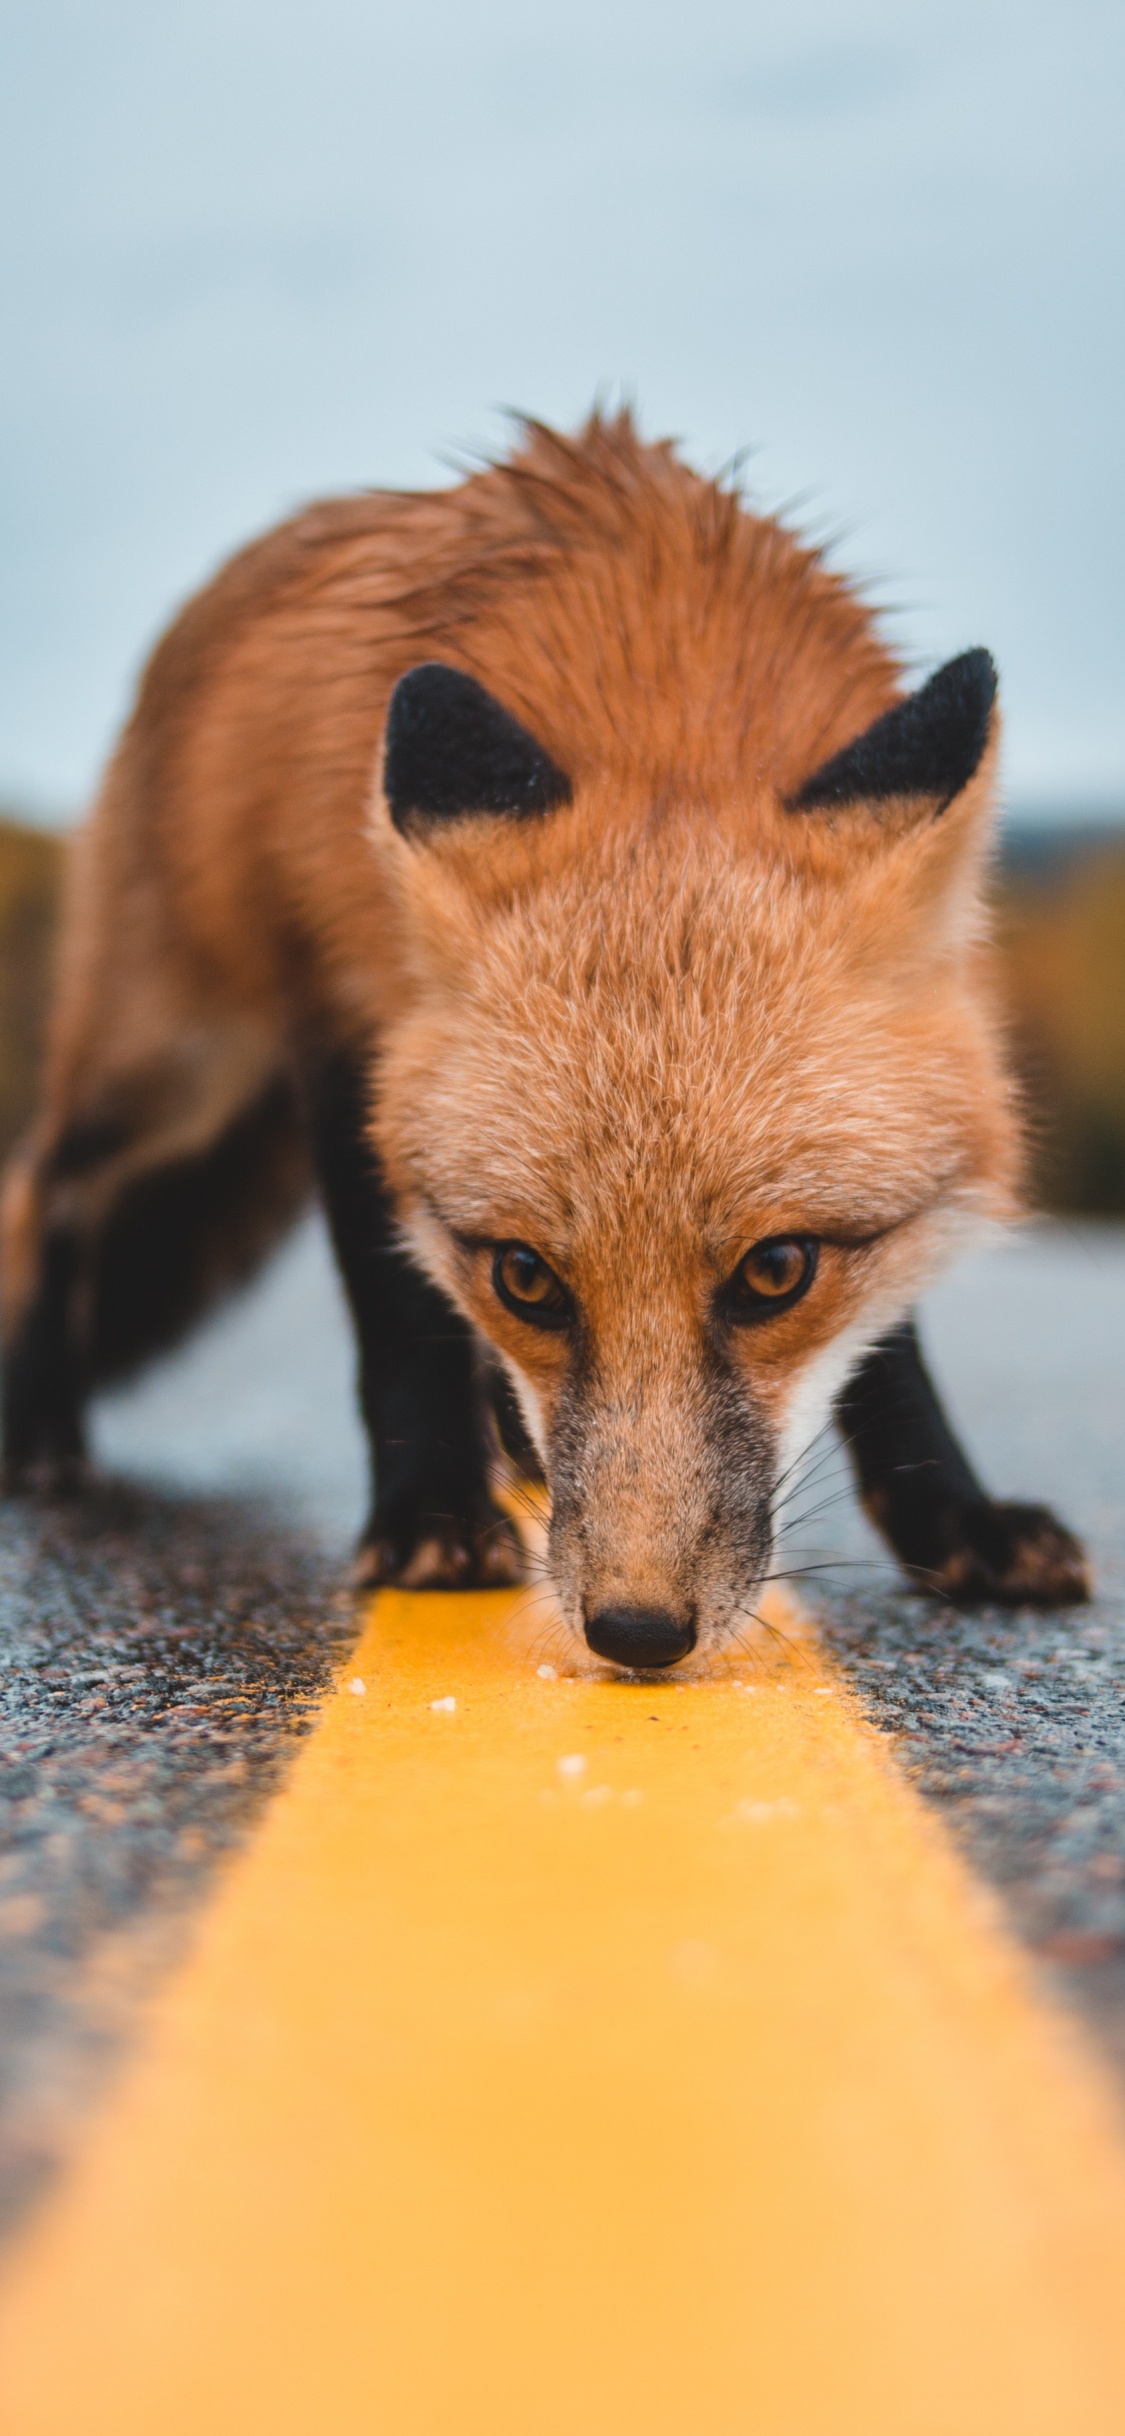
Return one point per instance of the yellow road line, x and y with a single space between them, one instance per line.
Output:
683 2088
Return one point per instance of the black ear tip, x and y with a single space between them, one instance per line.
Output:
927 746
427 693
971 679
450 748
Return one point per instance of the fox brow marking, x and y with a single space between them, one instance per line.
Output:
846 1235
852 1235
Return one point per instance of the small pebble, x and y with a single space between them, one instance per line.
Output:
572 1765
598 1795
547 1674
822 1691
358 1686
444 1708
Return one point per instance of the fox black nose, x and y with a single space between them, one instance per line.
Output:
639 1636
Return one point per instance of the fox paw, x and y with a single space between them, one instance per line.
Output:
440 1552
996 1553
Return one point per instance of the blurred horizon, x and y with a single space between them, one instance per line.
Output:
252 255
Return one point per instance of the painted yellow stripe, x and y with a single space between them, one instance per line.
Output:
683 2090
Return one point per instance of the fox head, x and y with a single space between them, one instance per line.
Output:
689 1092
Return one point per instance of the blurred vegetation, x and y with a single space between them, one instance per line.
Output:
1062 930
30 877
1061 909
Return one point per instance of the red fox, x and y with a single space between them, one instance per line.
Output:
553 873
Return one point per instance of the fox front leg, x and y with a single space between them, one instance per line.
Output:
920 1490
434 1522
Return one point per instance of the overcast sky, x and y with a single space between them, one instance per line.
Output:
253 250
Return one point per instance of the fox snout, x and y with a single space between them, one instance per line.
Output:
661 1518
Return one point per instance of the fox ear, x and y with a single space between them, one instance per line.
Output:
928 746
451 748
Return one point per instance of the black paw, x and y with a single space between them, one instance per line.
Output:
423 1550
986 1552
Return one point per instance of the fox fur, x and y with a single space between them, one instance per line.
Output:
666 1020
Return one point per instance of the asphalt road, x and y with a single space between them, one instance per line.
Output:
163 1640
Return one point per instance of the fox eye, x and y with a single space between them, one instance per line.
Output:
771 1277
528 1287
